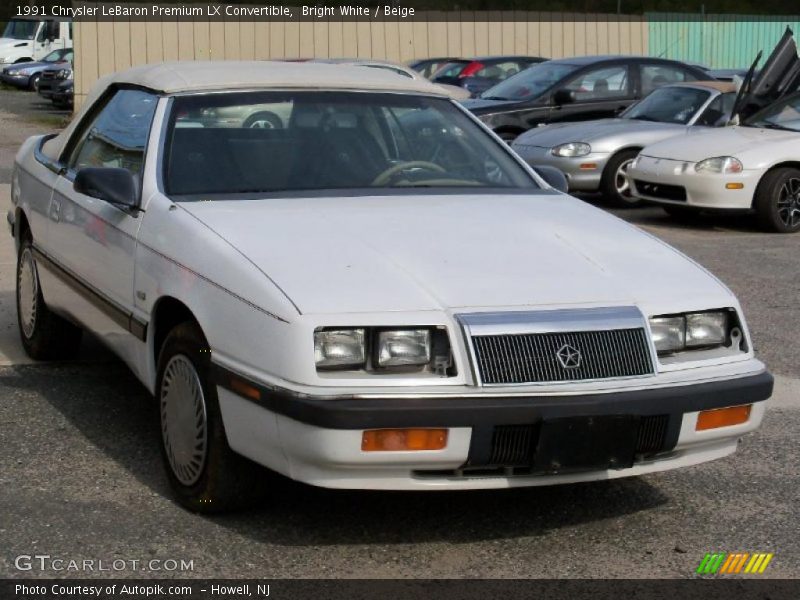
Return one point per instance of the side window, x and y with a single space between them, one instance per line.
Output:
501 70
601 84
117 135
653 76
718 112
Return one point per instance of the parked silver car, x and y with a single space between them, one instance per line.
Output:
594 155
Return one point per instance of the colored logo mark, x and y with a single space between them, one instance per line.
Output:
724 563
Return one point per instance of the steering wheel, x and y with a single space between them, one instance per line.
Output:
386 175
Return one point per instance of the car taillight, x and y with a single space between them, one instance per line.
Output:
471 69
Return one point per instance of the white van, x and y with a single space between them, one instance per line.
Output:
31 39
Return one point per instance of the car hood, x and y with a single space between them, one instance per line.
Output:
32 65
589 131
440 252
728 141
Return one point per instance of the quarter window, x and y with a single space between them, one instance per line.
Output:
117 135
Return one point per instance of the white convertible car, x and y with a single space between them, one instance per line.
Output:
751 167
377 294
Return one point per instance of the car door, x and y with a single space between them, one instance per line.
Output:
599 92
92 241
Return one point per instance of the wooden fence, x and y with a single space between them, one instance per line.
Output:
105 47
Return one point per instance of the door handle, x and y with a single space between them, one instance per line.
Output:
55 210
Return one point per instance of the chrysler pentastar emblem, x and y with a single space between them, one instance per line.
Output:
569 357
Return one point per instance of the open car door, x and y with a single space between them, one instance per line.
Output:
779 76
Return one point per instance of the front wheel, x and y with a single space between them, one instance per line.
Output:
264 119
777 201
33 82
44 334
614 183
205 474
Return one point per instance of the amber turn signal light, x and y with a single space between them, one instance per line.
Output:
394 440
588 166
723 417
734 186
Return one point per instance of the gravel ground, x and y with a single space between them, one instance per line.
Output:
81 478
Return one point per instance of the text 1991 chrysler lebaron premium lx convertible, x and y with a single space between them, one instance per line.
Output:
377 294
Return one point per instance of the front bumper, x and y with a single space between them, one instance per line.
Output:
15 79
579 179
702 190
318 440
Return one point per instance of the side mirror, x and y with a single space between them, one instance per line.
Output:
563 96
116 186
553 177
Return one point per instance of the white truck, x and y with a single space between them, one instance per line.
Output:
31 39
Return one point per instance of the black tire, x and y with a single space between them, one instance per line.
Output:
681 213
777 201
610 187
44 334
221 480
33 82
264 120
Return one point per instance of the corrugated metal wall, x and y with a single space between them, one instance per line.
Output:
105 47
721 41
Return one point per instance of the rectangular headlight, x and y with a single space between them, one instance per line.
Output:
339 348
669 333
706 329
404 347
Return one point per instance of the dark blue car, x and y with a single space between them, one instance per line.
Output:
28 74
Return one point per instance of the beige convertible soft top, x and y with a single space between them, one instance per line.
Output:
195 76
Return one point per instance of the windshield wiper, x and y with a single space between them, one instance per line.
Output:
645 118
494 98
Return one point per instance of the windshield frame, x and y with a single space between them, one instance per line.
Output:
166 128
575 68
783 102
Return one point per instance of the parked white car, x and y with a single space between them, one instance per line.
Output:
378 294
749 167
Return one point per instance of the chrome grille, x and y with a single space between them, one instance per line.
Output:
533 358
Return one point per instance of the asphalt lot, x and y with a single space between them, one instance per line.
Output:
80 476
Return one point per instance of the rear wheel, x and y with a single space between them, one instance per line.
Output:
205 474
614 183
777 200
44 335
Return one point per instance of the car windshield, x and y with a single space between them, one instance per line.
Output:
57 56
529 83
269 142
19 29
780 115
670 104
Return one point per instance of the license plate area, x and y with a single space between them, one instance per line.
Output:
586 444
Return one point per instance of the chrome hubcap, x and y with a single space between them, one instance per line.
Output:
262 124
789 203
27 292
183 419
621 180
